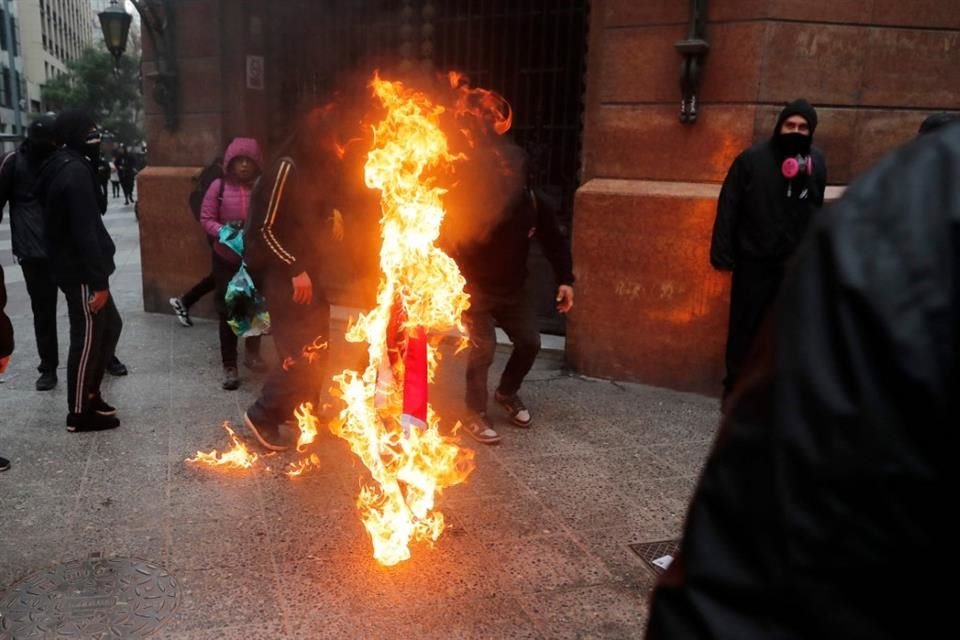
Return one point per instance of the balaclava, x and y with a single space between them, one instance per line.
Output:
795 144
77 130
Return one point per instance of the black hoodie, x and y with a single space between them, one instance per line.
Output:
761 215
79 247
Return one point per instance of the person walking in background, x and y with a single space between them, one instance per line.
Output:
226 204
18 172
127 172
6 343
114 178
765 205
81 253
823 509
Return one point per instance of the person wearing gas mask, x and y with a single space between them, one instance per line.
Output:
17 182
768 198
81 253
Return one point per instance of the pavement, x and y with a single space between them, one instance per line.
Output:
538 538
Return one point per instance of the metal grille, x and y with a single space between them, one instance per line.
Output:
650 551
531 51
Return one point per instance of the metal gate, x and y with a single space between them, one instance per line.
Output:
530 51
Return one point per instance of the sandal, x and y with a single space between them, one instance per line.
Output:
480 429
513 405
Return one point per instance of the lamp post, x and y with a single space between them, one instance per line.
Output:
694 50
158 23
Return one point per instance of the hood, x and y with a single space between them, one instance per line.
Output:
243 147
53 166
798 107
937 121
72 127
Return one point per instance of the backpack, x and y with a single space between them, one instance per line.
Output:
201 184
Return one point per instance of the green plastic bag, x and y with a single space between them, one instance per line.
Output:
247 312
231 235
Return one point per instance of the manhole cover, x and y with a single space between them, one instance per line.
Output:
655 553
92 599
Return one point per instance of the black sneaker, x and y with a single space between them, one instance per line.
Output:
4 464
47 381
267 434
183 315
117 368
231 379
101 407
90 421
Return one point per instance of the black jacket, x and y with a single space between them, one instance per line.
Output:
287 227
17 183
6 328
825 509
756 219
79 247
497 264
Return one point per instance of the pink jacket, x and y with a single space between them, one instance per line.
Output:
216 212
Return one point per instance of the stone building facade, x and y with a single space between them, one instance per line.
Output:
649 306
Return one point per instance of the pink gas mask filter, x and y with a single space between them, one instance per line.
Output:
792 167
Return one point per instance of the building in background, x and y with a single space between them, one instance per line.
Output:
52 33
11 75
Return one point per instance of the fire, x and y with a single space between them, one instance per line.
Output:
238 457
481 103
297 469
308 424
386 420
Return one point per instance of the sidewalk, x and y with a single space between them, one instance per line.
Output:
537 545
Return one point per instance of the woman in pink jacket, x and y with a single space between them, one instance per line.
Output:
226 203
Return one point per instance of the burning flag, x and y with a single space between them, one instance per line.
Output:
387 420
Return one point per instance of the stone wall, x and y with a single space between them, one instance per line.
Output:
649 307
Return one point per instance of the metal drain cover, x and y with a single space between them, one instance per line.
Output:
652 551
93 599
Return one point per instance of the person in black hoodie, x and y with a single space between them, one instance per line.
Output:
81 253
289 208
17 183
495 268
765 205
823 510
6 343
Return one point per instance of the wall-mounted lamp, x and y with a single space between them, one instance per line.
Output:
694 51
157 17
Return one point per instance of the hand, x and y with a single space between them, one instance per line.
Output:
337 225
3 364
97 300
564 298
302 288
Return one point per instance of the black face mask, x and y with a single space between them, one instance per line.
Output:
92 151
794 144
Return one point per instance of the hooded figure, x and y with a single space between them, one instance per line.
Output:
222 215
765 206
824 510
17 184
80 252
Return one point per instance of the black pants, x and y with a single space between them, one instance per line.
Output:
514 314
293 326
223 271
754 288
93 339
202 288
116 188
127 183
43 301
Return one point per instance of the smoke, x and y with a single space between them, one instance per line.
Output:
330 143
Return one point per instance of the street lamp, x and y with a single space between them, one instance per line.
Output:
157 17
115 23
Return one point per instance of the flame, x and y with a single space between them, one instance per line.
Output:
298 468
483 104
422 287
238 457
308 424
